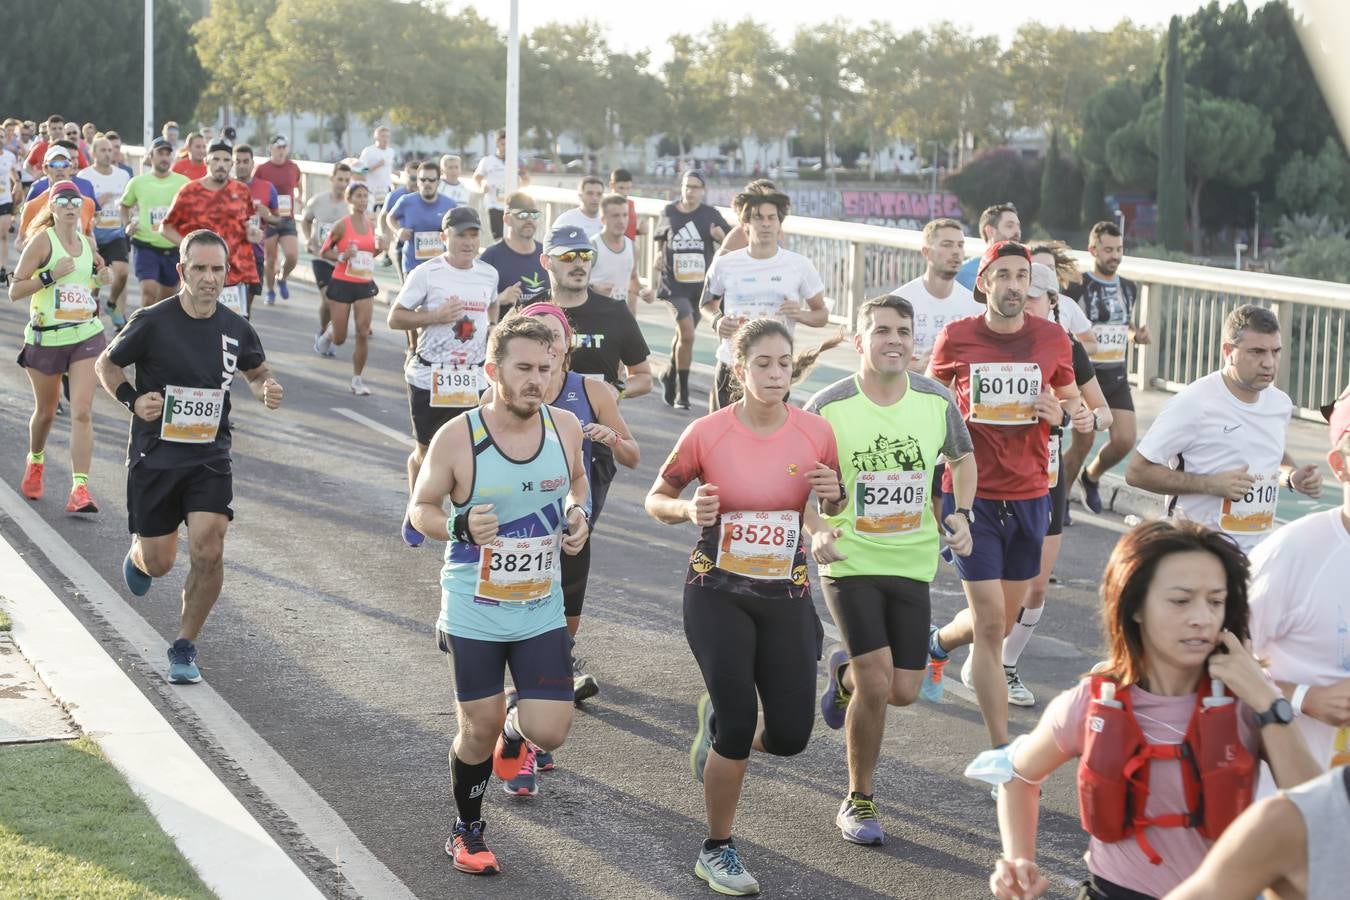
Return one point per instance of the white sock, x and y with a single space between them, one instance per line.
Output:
512 727
1017 639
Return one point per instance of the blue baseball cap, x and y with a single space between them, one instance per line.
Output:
567 237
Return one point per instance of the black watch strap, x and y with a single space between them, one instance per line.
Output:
968 513
1281 712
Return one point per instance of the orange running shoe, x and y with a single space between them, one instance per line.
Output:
80 501
32 481
508 757
469 852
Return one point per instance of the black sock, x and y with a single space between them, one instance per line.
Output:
467 783
710 845
684 382
859 795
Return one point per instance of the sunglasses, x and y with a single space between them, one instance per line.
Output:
67 201
524 214
574 255
59 164
428 180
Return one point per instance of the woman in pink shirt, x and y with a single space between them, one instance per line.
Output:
748 614
1174 605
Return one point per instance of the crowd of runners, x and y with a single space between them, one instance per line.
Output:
979 390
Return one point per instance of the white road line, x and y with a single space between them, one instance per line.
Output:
385 430
265 767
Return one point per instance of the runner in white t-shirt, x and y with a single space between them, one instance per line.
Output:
587 217
760 281
936 296
615 270
381 162
450 185
1217 448
9 163
1300 619
490 179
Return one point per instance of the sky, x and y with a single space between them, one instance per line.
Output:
648 31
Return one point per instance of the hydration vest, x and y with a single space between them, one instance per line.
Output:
1217 771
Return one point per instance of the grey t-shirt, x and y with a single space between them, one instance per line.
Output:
326 212
1324 804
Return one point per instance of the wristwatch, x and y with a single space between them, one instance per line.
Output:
968 513
1281 712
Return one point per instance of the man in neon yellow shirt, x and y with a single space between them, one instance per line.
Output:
151 194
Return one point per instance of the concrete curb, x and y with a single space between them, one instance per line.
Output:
1120 498
232 853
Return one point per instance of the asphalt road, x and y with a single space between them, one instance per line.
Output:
324 643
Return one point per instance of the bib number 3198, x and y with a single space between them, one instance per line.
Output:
454 386
759 545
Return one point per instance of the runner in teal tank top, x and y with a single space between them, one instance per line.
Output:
514 474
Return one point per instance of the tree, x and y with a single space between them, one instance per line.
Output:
563 83
635 98
45 73
996 176
821 82
694 99
1227 141
1319 184
886 67
1107 111
234 43
1171 150
1061 190
744 62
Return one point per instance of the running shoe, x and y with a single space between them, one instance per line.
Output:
271 297
682 402
1018 693
137 581
584 685
119 321
1092 495
359 387
284 289
80 501
931 689
725 873
323 345
526 782
183 662
411 536
32 481
1068 515
857 821
834 701
543 760
469 852
968 670
702 746
509 755
668 386
385 261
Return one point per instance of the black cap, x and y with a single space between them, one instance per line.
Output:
461 219
218 147
160 143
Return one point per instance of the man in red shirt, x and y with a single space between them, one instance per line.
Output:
225 206
265 198
1013 378
285 176
55 132
193 162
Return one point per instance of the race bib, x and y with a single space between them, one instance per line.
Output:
759 545
889 503
325 229
517 570
754 306
1255 512
191 415
1112 341
235 297
255 221
1004 393
362 265
689 268
1052 469
284 202
157 215
108 217
74 303
455 386
427 244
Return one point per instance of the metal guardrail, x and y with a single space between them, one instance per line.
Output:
1183 305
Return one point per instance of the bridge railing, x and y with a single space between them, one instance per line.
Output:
1183 305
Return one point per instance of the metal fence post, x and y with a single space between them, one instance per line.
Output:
857 282
1150 355
1285 313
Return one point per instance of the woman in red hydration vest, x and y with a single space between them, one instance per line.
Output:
1167 731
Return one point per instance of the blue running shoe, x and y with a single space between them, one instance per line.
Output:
411 536
834 701
702 746
271 297
284 289
1092 495
137 581
857 821
931 689
543 760
526 782
183 662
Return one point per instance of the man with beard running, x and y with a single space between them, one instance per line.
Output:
521 276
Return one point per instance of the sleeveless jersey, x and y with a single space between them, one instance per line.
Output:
573 398
522 566
65 312
361 267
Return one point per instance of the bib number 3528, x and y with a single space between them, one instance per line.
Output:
760 545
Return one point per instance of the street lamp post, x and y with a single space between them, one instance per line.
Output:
513 100
148 77
1256 227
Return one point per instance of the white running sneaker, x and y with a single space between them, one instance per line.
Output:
323 344
724 872
359 387
968 670
1018 693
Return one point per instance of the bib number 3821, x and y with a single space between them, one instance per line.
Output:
517 570
191 415
1004 393
759 545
